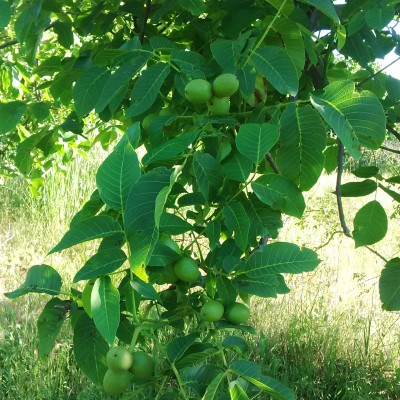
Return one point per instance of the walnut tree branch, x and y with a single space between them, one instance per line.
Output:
145 18
393 131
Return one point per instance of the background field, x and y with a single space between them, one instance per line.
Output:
327 339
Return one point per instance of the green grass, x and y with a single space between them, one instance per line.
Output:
327 339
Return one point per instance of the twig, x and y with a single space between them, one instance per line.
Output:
393 132
377 72
145 17
377 254
346 230
391 150
272 163
327 242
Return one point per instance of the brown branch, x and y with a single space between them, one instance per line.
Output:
391 150
145 18
377 72
271 162
393 131
346 230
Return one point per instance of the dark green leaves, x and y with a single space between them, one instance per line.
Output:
91 228
237 221
279 69
90 349
358 189
357 118
105 307
88 88
146 88
370 224
5 13
254 140
389 285
39 279
177 347
326 7
302 141
10 115
280 194
207 171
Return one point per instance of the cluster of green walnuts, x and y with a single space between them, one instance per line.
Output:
216 95
185 269
123 367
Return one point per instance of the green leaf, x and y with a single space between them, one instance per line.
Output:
287 9
40 110
116 176
357 118
302 141
145 90
326 7
389 285
213 232
195 7
119 81
99 226
212 388
236 343
237 221
90 349
225 290
102 263
245 368
370 224
146 290
104 302
279 258
196 353
64 33
208 174
169 149
39 279
200 376
247 80
393 88
5 13
280 194
237 393
10 115
173 225
276 389
358 189
89 209
261 286
279 69
49 325
391 193
254 140
237 167
368 171
225 53
379 17
177 347
140 213
88 88
48 67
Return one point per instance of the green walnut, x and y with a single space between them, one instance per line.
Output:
219 105
225 85
116 382
212 311
119 359
143 365
186 270
198 91
238 313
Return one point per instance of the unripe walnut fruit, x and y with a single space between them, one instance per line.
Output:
225 85
219 105
198 91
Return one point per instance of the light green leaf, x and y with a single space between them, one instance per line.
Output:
91 228
237 220
237 167
5 13
370 224
119 80
102 263
212 388
255 140
145 90
279 69
326 7
116 176
389 285
39 279
49 325
88 88
169 149
280 194
10 115
276 389
213 232
245 368
357 118
146 290
279 258
302 141
208 174
237 393
104 302
90 349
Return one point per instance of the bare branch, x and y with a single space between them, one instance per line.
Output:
346 230
145 18
393 131
391 150
377 72
271 162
